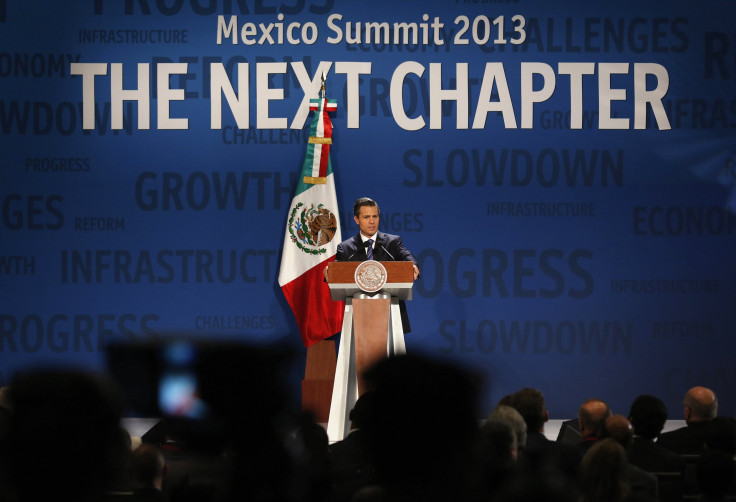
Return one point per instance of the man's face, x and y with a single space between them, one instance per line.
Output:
367 220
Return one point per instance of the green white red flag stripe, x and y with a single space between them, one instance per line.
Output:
321 129
312 235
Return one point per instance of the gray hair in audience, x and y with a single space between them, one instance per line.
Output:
512 417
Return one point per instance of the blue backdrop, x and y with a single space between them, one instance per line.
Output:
565 179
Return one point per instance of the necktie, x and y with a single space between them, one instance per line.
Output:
369 249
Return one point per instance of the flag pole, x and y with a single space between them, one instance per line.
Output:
321 363
310 243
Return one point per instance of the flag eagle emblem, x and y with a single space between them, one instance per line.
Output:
311 228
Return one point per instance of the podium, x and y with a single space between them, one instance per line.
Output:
371 330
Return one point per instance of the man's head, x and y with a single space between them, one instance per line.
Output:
701 405
366 215
592 416
530 404
619 428
648 415
361 412
65 425
511 416
498 442
147 466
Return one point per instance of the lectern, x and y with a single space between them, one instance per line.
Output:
371 327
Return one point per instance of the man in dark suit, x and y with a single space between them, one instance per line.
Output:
647 416
540 454
352 462
643 484
147 469
592 416
370 244
700 407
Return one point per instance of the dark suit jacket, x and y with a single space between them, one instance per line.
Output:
388 247
688 440
643 485
541 452
352 465
646 455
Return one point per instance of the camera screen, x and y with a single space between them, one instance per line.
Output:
179 386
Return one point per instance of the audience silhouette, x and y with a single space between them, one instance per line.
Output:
603 473
495 467
545 458
592 416
415 437
648 415
351 458
62 437
147 470
715 476
642 485
700 406
422 426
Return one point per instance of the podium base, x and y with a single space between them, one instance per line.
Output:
380 335
319 379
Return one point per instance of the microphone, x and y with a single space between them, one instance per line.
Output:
365 245
392 256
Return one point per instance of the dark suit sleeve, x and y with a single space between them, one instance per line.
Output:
397 249
340 254
348 250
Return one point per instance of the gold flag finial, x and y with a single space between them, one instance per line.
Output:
323 89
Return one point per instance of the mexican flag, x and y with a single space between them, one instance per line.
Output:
312 235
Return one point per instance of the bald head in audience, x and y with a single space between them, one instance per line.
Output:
701 405
592 416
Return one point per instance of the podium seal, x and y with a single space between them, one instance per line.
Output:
370 276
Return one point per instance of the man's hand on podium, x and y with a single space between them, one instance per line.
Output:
416 272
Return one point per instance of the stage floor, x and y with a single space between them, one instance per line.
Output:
552 427
137 427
